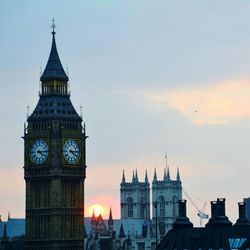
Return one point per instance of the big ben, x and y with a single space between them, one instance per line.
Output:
54 164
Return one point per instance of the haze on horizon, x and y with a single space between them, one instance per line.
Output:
152 77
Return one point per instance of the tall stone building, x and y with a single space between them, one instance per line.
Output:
165 196
135 198
54 165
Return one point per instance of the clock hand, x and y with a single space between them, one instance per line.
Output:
40 152
73 152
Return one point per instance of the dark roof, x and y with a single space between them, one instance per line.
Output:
180 238
54 69
219 233
15 227
54 107
206 238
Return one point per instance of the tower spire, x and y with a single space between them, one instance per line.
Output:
165 176
168 174
133 176
155 176
110 221
178 175
146 176
93 218
53 26
123 177
136 176
110 214
54 69
121 232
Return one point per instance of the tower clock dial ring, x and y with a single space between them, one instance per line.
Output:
71 151
39 152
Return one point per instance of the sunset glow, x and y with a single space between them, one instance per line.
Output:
98 209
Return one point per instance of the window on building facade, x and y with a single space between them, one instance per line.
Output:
235 243
130 207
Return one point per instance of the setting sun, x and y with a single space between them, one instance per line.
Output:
98 209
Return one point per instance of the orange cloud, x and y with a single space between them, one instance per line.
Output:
209 104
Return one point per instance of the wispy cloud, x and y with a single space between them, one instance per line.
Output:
209 104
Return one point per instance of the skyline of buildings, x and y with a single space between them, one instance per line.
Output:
133 67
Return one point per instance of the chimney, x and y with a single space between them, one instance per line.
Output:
182 208
182 221
242 210
221 206
213 213
218 217
242 221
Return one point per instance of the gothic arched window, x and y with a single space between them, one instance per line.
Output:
162 206
130 207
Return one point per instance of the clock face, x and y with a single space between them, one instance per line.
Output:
71 151
39 152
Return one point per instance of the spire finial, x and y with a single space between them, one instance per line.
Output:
81 113
54 69
53 26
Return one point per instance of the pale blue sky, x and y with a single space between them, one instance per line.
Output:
140 69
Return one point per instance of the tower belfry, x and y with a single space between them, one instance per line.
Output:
135 197
165 195
54 164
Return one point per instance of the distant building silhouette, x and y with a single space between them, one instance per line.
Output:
12 234
135 229
219 233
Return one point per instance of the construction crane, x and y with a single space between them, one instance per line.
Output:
201 214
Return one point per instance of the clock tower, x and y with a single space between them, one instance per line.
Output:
54 165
